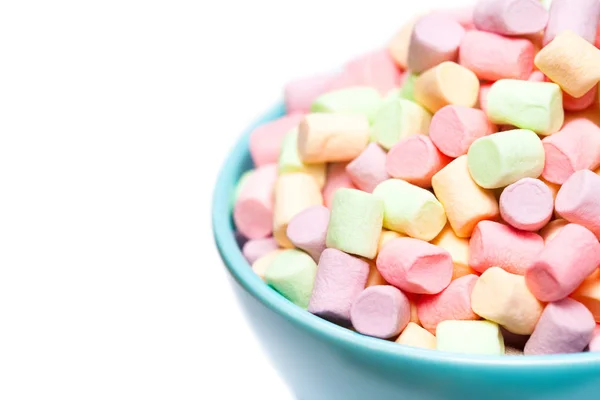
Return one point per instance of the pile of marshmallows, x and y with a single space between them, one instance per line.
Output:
441 192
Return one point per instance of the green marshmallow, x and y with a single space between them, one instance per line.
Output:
289 160
408 89
292 273
470 337
410 210
503 158
397 119
355 222
355 100
528 105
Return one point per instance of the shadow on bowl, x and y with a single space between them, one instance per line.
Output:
320 360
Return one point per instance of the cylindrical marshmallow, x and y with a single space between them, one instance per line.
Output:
368 169
400 43
577 200
454 128
462 15
340 279
564 263
510 17
505 157
415 336
261 265
415 160
435 39
571 62
415 266
464 201
410 209
503 298
380 311
266 140
452 303
565 326
527 204
337 178
290 162
571 103
579 16
362 100
308 229
493 57
292 273
375 69
300 93
470 337
551 230
458 249
575 147
332 137
497 245
355 222
445 84
293 194
588 294
526 105
253 210
537 76
397 119
256 248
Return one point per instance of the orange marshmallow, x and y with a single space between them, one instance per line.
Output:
458 249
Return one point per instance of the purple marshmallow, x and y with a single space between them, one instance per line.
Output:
308 230
256 248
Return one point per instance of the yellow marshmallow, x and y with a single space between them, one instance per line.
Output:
504 298
415 336
458 249
260 266
571 62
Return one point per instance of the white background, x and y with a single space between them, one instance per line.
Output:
115 116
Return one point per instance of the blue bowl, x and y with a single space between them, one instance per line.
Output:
320 360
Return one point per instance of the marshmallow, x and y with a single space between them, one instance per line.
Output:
415 159
537 76
579 16
510 17
575 147
380 311
261 265
256 248
375 69
435 38
332 137
368 169
458 249
577 200
505 157
527 105
470 337
308 229
253 210
588 294
502 297
527 204
565 326
454 128
564 263
464 201
293 194
362 100
289 160
571 103
339 281
398 119
497 245
452 303
400 43
551 230
355 223
240 185
415 336
445 84
300 93
410 209
570 61
493 57
292 274
484 90
415 266
337 177
462 15
266 140
408 88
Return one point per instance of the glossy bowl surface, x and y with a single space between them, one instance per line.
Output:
320 360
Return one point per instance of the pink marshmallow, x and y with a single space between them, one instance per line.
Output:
308 229
435 39
578 16
575 147
339 281
510 17
462 15
376 69
415 159
266 140
577 200
497 245
253 210
538 76
256 248
337 178
299 94
452 303
368 169
415 266
380 311
565 326
527 204
571 103
484 89
570 257
454 128
595 342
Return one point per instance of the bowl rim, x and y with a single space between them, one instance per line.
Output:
241 271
